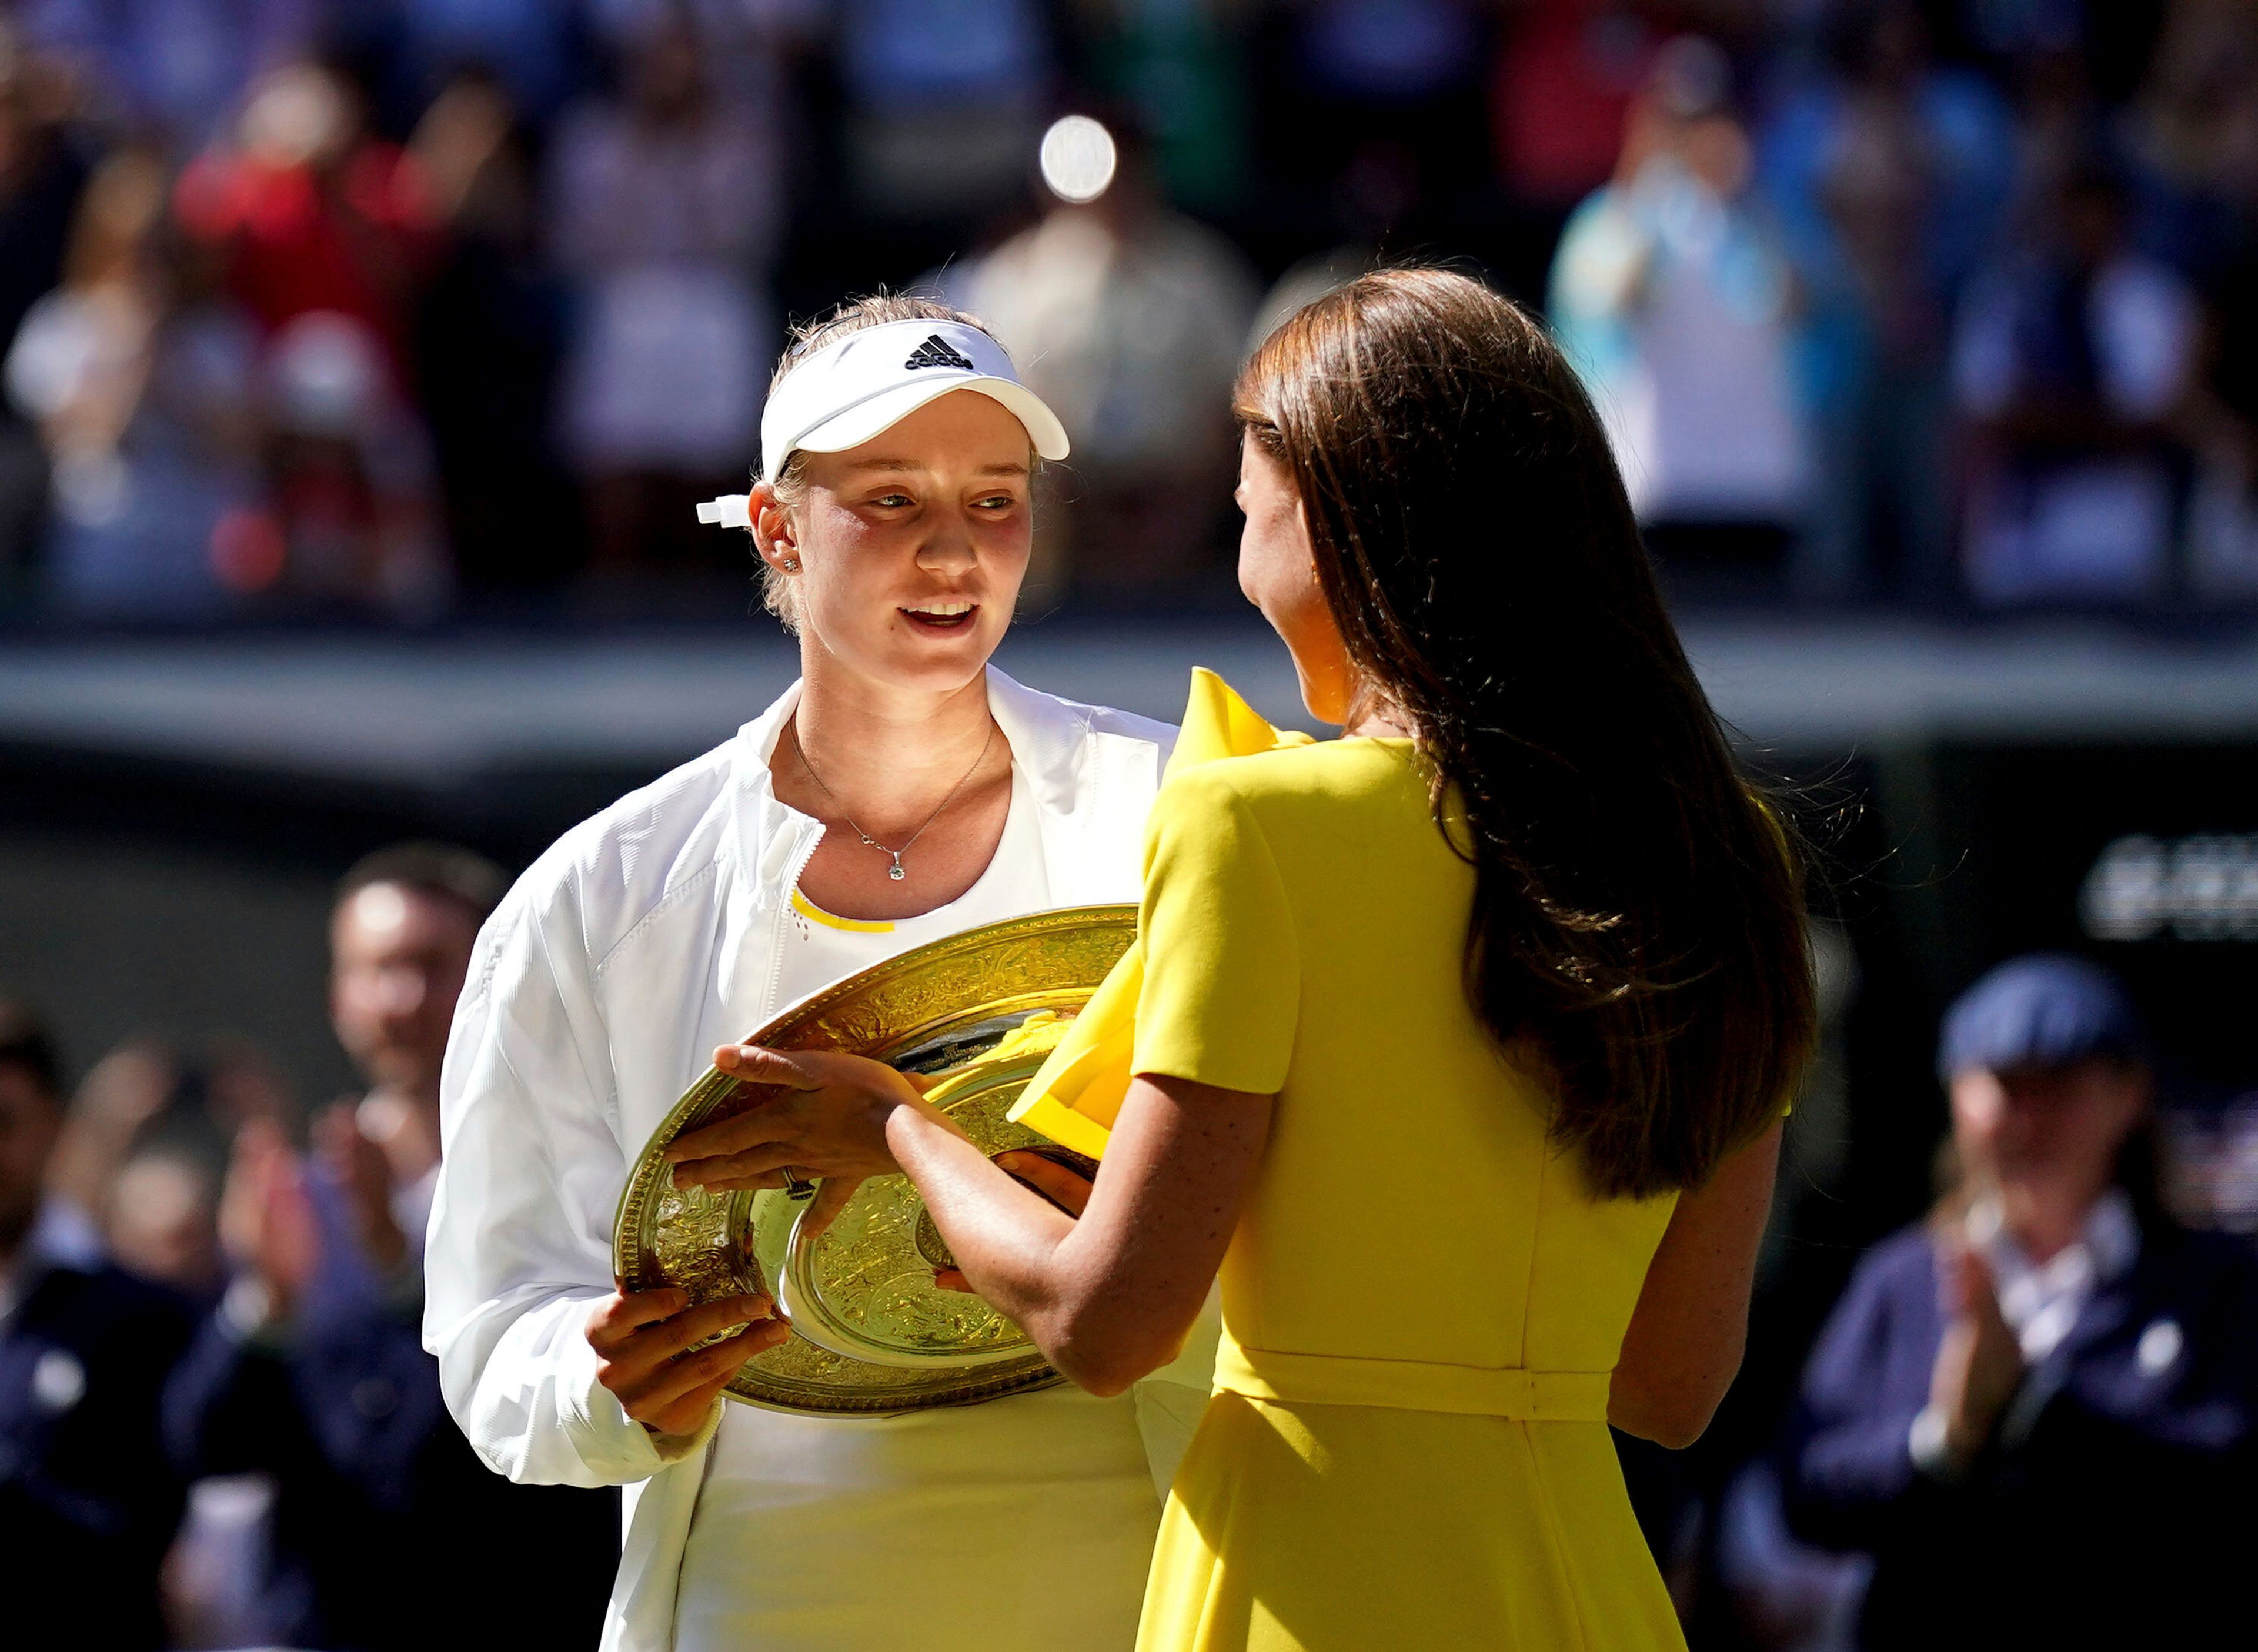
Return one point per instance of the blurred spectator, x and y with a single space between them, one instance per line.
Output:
2193 133
1786 1596
1562 90
349 474
1890 173
1674 297
1339 75
531 47
2074 353
312 213
1130 319
489 340
41 173
177 65
140 378
2038 1410
665 205
116 1102
164 1222
944 102
2059 125
312 1371
87 1504
2223 515
2223 415
2210 1166
142 1107
1377 191
1181 65
1560 93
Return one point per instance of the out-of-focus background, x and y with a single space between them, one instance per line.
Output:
364 360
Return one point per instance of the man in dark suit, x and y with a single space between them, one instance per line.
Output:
2038 1411
387 1531
88 1502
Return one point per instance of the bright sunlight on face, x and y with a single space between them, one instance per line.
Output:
1278 574
913 546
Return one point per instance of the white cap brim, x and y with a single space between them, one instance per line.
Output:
880 413
857 386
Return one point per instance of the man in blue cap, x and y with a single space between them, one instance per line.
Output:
2038 1409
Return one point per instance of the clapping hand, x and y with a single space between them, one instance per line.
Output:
358 1167
266 1222
1979 1363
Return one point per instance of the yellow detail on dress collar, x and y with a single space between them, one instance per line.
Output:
1075 1096
815 914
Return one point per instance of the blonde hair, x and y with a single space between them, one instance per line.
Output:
791 483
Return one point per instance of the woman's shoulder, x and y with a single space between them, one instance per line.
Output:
1295 799
1321 774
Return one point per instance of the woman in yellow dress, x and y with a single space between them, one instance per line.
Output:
1461 1043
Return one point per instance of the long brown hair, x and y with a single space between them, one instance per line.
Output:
1639 906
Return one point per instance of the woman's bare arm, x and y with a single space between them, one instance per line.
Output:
1109 1297
1686 1336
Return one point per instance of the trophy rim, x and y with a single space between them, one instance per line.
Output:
879 1012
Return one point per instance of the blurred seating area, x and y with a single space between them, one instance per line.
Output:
385 311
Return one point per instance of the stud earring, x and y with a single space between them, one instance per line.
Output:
792 565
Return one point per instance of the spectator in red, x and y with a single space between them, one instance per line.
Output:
312 211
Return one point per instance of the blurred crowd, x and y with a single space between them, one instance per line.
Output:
394 309
218 1427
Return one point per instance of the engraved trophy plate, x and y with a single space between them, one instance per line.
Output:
871 1333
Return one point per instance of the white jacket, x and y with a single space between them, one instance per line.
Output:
646 936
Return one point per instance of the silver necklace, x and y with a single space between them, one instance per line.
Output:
894 871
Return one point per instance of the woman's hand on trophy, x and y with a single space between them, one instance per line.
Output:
826 1116
647 1343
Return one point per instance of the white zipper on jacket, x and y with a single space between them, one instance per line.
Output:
769 1005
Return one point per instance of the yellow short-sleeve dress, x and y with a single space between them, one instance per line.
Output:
1407 1446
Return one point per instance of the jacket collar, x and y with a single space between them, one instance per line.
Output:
1049 740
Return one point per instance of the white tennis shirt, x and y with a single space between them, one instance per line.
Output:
826 1534
647 935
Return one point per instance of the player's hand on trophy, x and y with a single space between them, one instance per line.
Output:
647 1344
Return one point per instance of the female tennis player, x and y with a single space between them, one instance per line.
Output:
900 791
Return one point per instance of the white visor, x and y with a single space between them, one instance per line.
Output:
855 386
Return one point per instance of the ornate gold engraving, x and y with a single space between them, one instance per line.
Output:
872 1335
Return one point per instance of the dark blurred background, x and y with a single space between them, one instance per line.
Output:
363 359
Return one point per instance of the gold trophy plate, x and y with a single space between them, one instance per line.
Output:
872 1335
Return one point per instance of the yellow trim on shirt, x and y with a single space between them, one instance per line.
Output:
809 910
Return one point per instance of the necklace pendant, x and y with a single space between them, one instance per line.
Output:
896 873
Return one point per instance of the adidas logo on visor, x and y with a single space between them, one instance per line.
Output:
936 352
